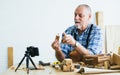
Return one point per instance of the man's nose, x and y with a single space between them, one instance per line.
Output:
77 17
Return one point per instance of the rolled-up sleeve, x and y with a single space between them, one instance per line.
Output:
65 49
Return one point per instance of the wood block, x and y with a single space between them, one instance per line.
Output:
107 64
115 67
99 18
116 59
67 65
57 37
119 50
90 60
10 56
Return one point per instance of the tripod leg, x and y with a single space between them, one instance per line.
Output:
32 62
20 63
27 65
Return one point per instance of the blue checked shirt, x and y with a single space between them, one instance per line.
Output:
94 41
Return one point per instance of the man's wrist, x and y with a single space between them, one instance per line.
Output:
58 50
76 44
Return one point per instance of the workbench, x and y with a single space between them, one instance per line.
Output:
49 70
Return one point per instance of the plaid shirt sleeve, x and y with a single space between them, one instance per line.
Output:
66 49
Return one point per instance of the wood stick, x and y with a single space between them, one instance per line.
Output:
10 56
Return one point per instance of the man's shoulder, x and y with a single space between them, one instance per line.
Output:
96 27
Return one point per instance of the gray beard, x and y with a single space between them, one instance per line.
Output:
78 26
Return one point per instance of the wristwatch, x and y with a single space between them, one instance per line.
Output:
76 44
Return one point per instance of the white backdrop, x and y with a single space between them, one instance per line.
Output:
26 23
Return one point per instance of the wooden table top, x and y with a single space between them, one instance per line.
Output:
48 70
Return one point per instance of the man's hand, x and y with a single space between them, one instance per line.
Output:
68 39
55 45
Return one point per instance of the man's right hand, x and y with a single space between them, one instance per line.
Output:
56 45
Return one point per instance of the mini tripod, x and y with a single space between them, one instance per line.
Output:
27 55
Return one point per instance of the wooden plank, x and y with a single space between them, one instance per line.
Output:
10 56
99 18
119 50
115 67
116 59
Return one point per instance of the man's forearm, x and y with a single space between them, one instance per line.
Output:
82 50
60 56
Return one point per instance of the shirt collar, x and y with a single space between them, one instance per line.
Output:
88 26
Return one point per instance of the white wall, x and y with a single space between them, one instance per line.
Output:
36 22
113 38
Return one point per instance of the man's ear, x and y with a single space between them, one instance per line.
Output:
89 17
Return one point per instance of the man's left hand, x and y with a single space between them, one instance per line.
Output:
68 39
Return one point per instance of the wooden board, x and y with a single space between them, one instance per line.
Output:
116 59
10 56
99 18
